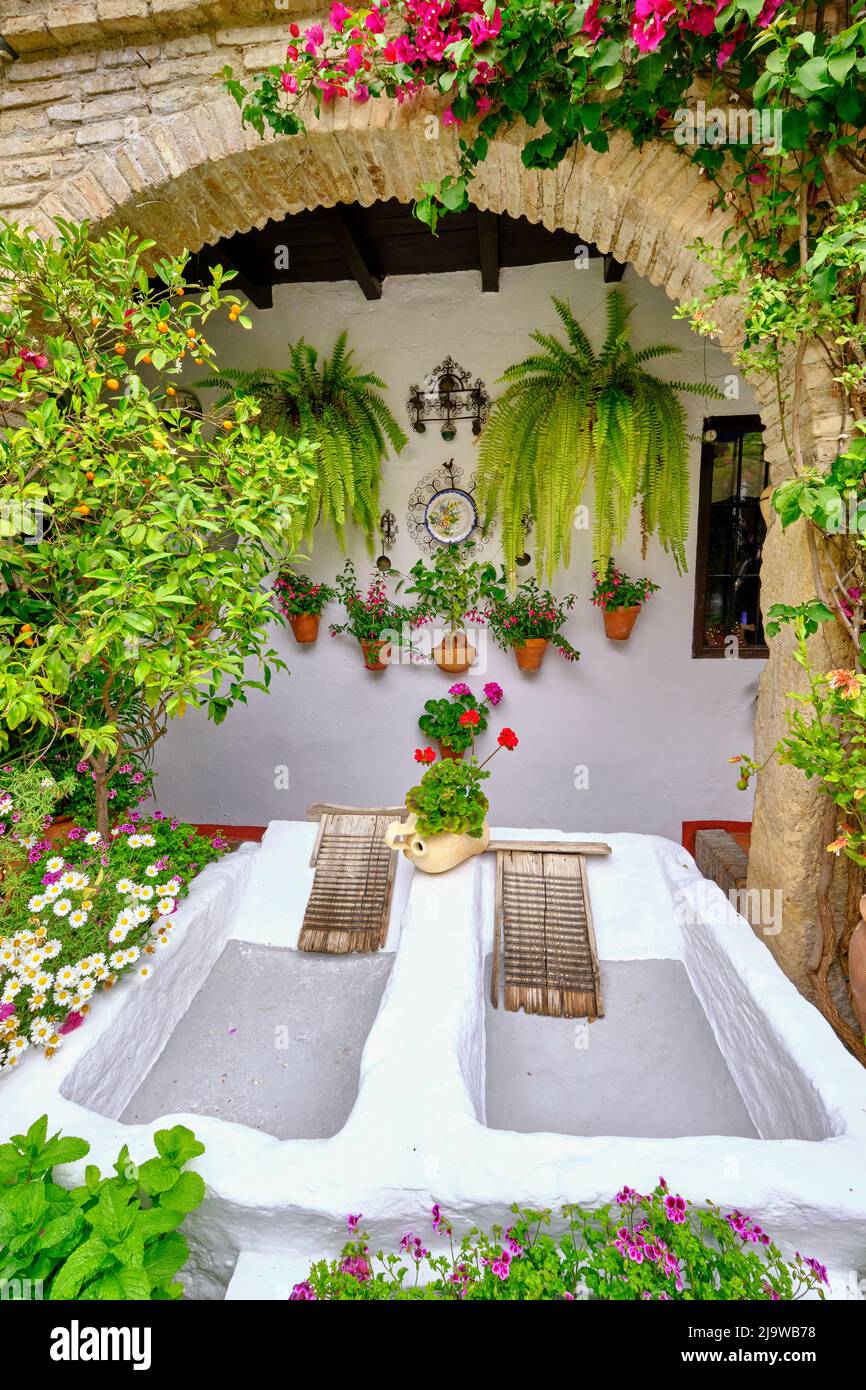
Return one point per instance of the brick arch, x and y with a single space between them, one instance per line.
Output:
186 179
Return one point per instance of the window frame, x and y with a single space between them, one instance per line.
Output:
746 424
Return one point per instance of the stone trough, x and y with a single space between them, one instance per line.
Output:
708 1067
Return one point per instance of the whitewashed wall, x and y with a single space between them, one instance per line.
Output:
653 727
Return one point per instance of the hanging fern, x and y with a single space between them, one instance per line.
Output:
567 411
339 409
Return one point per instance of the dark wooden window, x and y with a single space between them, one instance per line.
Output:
731 534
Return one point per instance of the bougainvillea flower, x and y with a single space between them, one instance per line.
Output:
289 81
507 739
768 13
593 26
448 117
339 15
374 22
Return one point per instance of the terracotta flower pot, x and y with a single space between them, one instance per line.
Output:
376 653
455 755
434 854
59 827
531 654
455 653
618 622
305 626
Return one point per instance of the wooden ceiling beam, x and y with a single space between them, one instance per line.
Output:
351 252
246 281
613 269
488 251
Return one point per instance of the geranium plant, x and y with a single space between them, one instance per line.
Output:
114 1237
449 797
79 912
142 594
531 613
456 722
613 589
653 1246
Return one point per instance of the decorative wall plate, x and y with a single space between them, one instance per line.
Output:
442 511
451 516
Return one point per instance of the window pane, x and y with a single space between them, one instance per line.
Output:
748 539
719 557
748 618
754 468
716 612
724 469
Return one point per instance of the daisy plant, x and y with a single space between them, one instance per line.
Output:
79 912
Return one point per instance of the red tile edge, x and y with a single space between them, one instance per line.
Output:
691 827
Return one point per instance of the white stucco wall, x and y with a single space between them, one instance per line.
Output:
653 727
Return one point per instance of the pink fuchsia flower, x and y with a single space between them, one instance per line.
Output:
493 692
302 1293
675 1209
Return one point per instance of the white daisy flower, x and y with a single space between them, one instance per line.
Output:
41 1032
53 892
116 935
92 837
98 959
147 840
101 972
134 842
36 903
151 871
145 972
44 979
62 996
125 920
69 879
28 841
165 905
132 955
37 1002
51 949
117 960
8 956
62 907
86 988
142 914
125 886
78 918
66 975
86 965
17 1046
13 987
55 864
143 892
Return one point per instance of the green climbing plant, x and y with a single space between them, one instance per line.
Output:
340 410
567 412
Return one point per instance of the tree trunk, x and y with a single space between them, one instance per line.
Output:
100 769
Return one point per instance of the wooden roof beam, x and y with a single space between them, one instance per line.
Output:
351 252
613 270
488 251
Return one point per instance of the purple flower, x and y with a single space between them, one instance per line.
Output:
302 1293
493 692
6 1011
352 1222
461 688
675 1209
413 1246
817 1269
437 1216
357 1266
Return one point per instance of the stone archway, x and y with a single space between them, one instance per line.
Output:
92 126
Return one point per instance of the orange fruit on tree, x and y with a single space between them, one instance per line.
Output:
120 348
228 424
162 328
147 358
82 509
90 476
170 391
25 628
190 333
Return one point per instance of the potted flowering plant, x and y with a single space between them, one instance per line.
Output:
301 601
447 821
455 722
452 588
620 600
372 618
529 622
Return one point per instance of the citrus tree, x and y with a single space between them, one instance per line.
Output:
134 535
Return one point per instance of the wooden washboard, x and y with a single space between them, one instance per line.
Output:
350 900
543 929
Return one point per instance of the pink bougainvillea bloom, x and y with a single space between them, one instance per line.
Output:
361 92
448 117
700 19
593 26
483 105
648 26
289 81
315 37
758 173
339 15
482 30
375 23
768 13
730 45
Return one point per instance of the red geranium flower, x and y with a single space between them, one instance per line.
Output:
469 717
425 755
508 739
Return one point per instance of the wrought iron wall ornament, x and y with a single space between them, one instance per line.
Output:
448 395
442 511
389 531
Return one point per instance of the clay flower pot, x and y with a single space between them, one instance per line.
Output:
305 626
618 622
531 654
455 653
434 854
454 754
59 827
376 653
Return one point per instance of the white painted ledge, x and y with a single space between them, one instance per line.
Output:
416 1133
